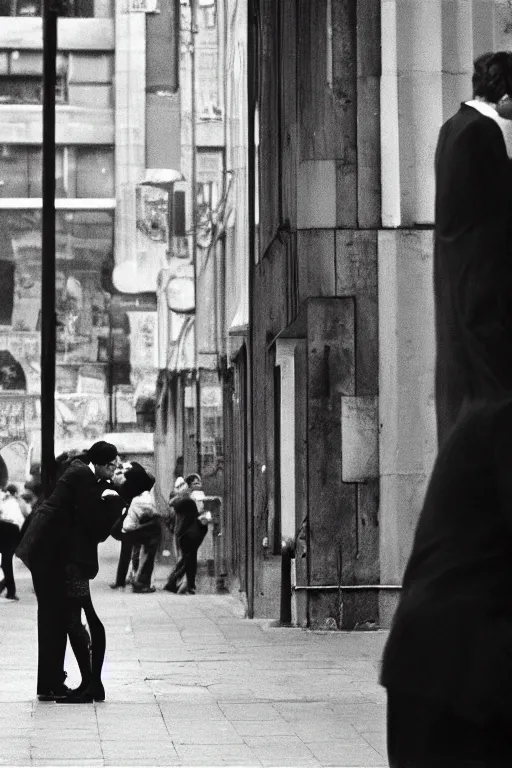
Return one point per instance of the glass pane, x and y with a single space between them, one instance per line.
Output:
98 96
26 63
91 68
19 90
35 173
13 171
95 172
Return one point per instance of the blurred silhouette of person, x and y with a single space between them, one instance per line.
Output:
447 664
473 238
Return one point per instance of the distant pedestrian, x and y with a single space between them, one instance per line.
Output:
142 526
447 664
191 525
130 481
11 523
473 244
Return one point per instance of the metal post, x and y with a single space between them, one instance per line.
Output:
48 317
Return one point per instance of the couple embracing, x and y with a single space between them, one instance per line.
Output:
60 547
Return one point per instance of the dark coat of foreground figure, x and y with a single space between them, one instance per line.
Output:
472 265
44 549
447 664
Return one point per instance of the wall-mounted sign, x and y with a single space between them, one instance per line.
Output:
180 295
144 6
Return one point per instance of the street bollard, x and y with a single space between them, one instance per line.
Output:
287 555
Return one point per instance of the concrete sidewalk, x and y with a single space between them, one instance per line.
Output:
190 682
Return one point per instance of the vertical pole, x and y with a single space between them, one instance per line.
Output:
252 64
48 317
193 140
193 183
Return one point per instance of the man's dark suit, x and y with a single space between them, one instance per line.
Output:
77 490
450 646
472 265
190 533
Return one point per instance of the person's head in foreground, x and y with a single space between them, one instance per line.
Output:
492 81
103 456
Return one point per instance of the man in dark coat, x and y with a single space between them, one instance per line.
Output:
44 550
447 665
473 248
190 528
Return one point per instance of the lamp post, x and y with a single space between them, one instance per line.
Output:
51 10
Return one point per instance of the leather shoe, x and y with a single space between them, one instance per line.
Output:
55 695
143 589
117 586
93 692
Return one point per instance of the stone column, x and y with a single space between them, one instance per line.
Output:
130 131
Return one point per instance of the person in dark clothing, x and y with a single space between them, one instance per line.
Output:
190 529
473 239
11 523
447 664
45 548
82 566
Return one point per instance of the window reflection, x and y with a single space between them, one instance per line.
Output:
106 342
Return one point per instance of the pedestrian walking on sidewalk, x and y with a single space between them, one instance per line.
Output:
447 665
11 523
473 244
191 525
140 529
45 549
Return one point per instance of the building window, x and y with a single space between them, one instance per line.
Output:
73 8
83 79
79 171
21 77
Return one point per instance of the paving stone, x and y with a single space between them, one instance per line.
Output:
217 754
216 732
277 727
248 711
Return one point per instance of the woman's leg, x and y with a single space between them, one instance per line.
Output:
79 638
124 563
98 647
